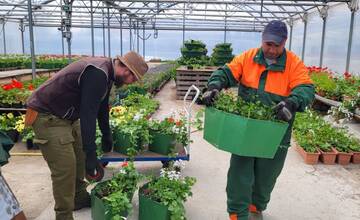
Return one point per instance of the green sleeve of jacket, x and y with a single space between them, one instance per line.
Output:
302 95
222 78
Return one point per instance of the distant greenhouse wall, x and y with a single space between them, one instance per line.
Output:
336 39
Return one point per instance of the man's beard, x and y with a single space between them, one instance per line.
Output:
118 81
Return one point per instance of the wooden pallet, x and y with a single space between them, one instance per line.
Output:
186 78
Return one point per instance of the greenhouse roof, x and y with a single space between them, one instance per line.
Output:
202 15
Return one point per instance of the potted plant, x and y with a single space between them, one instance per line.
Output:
166 133
8 124
111 199
307 150
344 145
163 197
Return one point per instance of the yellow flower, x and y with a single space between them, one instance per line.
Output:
10 115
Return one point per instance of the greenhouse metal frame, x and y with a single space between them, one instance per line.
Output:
180 15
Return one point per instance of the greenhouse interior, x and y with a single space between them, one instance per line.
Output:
179 109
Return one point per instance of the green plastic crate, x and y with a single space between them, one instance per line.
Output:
122 143
162 143
243 136
151 210
99 211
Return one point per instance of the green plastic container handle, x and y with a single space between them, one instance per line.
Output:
187 108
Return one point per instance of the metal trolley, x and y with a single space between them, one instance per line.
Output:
183 154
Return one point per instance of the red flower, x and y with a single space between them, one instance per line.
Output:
124 164
7 87
17 84
171 120
347 75
178 123
31 87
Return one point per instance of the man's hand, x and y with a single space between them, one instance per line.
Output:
285 110
91 163
210 96
106 143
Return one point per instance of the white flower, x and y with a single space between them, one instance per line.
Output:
137 117
122 171
180 164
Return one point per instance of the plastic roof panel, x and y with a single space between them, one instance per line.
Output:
236 15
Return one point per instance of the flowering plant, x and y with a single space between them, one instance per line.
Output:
132 124
334 86
170 189
171 126
10 122
16 92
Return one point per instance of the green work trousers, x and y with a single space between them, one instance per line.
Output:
60 143
251 180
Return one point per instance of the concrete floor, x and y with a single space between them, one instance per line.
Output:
303 192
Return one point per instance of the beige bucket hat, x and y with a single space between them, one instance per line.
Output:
135 63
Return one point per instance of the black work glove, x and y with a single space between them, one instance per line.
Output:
91 163
210 95
285 110
106 143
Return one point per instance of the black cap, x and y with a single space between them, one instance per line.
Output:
275 31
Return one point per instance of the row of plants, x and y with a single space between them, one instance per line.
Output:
42 61
194 54
15 94
160 198
318 137
151 83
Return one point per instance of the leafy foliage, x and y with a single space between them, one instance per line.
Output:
193 54
222 53
117 192
229 102
171 190
311 131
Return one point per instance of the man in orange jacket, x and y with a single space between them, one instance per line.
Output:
270 74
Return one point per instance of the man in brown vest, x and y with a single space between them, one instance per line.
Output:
63 113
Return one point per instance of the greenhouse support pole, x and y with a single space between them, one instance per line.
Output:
225 26
348 56
130 32
68 11
108 30
291 24
137 37
103 33
305 19
183 30
92 28
323 15
3 31
121 36
22 29
62 30
143 38
31 33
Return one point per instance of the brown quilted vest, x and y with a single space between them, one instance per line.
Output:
60 95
